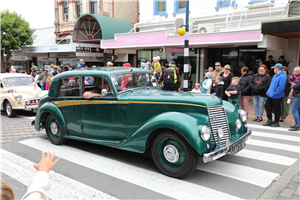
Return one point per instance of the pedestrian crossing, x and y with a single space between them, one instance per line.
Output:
220 179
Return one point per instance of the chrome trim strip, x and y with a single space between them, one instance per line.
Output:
207 157
22 108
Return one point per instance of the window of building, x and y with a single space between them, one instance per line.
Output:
259 1
160 8
66 10
179 7
94 9
225 3
79 8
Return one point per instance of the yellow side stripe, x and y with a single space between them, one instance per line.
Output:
93 102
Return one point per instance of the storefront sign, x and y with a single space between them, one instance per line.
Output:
20 58
109 57
97 50
61 55
160 39
173 50
32 49
83 49
53 49
89 54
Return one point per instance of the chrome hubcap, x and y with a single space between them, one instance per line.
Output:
54 128
171 153
8 108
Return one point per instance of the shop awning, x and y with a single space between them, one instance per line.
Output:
285 29
93 28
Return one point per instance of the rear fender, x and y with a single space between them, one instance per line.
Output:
45 109
185 124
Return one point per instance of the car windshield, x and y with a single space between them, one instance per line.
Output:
123 82
18 81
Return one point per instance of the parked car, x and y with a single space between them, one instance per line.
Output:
19 92
134 114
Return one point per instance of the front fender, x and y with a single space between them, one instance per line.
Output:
183 123
51 108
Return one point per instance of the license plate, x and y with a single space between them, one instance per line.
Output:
237 147
34 102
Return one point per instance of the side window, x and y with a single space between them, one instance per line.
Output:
70 87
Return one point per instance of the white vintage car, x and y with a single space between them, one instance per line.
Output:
19 92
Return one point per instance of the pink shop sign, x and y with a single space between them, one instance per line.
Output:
160 39
174 50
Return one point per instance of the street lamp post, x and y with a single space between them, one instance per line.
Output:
185 32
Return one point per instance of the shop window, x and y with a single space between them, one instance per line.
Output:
179 7
94 9
66 10
160 8
79 8
225 3
259 1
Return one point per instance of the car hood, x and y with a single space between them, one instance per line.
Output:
174 97
28 91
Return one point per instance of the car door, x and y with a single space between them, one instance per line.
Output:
101 117
68 102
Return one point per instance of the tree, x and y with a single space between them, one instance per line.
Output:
15 34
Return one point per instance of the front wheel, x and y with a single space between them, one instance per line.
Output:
53 131
173 155
9 111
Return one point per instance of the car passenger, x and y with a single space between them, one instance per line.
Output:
96 92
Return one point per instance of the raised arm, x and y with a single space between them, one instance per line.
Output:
89 95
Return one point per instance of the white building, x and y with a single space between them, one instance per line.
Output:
228 31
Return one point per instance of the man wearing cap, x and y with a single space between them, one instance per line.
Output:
172 74
270 63
274 96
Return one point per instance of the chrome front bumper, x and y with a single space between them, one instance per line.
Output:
25 107
222 151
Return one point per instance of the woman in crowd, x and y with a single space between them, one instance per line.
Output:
206 84
282 61
296 105
285 107
227 77
245 88
259 83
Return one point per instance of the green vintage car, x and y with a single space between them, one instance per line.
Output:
133 113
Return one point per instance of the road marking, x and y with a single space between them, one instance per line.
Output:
26 117
144 178
276 136
239 172
272 128
274 145
62 187
267 157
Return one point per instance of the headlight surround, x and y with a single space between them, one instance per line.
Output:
205 133
243 115
238 124
220 133
18 97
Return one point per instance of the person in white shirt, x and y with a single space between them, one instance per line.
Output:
196 89
206 84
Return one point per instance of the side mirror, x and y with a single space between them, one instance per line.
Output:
1 85
104 92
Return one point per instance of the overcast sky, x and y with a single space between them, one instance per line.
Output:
39 13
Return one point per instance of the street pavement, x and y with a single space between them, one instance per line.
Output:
268 168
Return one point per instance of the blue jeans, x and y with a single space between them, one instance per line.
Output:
296 110
258 105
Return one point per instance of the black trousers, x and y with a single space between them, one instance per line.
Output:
273 105
170 87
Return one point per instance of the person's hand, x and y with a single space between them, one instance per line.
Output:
293 85
46 163
214 84
178 89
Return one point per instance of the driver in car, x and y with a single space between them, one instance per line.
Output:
96 92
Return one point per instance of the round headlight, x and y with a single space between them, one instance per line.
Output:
243 115
220 133
18 98
205 133
238 124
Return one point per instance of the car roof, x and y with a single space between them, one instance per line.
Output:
7 75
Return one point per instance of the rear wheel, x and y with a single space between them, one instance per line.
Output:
53 131
9 111
173 155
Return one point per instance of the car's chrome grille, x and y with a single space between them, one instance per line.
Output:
218 119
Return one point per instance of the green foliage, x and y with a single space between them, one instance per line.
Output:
17 31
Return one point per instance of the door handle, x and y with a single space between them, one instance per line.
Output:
112 102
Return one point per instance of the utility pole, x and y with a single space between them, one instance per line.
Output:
186 49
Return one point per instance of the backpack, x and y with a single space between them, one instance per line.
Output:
169 76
